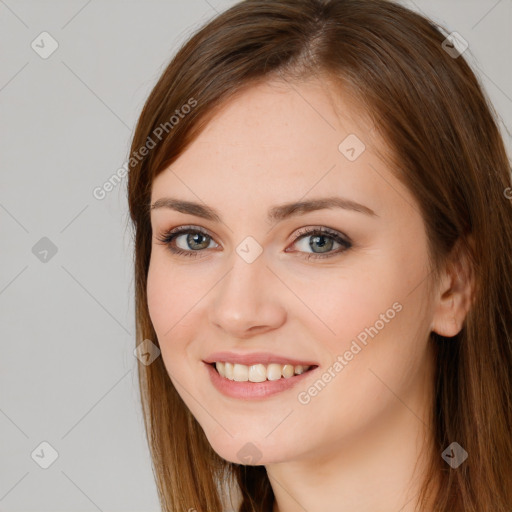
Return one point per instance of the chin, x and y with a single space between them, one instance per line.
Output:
249 451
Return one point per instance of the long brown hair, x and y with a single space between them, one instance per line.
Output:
447 149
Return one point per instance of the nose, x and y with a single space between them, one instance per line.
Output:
248 300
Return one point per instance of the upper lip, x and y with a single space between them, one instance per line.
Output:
256 358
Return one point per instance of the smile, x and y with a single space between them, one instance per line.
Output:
258 372
272 378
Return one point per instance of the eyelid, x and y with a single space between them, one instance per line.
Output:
183 229
311 230
167 237
295 235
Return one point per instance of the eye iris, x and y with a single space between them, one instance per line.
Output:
192 238
316 238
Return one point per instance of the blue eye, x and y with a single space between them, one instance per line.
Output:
197 239
324 239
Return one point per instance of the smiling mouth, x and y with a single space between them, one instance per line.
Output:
259 372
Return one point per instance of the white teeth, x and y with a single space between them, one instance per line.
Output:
258 372
288 370
228 370
240 372
274 371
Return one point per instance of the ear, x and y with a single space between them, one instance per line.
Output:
454 293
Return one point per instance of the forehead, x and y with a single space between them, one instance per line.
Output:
283 119
277 142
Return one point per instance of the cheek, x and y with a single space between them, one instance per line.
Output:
166 310
171 295
159 298
379 306
167 304
348 303
174 302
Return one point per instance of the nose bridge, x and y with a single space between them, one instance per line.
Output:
244 298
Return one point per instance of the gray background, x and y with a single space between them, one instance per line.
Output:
67 369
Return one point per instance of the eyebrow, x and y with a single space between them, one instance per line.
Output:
275 214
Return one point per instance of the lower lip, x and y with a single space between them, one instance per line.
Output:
253 390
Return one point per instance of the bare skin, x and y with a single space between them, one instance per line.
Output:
355 444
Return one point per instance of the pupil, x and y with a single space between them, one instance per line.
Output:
194 237
315 239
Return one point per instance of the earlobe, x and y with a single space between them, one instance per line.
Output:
448 322
454 295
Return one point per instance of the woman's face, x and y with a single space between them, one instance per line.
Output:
358 309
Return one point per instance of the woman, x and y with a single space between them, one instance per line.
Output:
322 255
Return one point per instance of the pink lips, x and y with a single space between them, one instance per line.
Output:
256 358
253 390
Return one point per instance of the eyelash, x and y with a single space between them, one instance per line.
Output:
343 240
168 237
